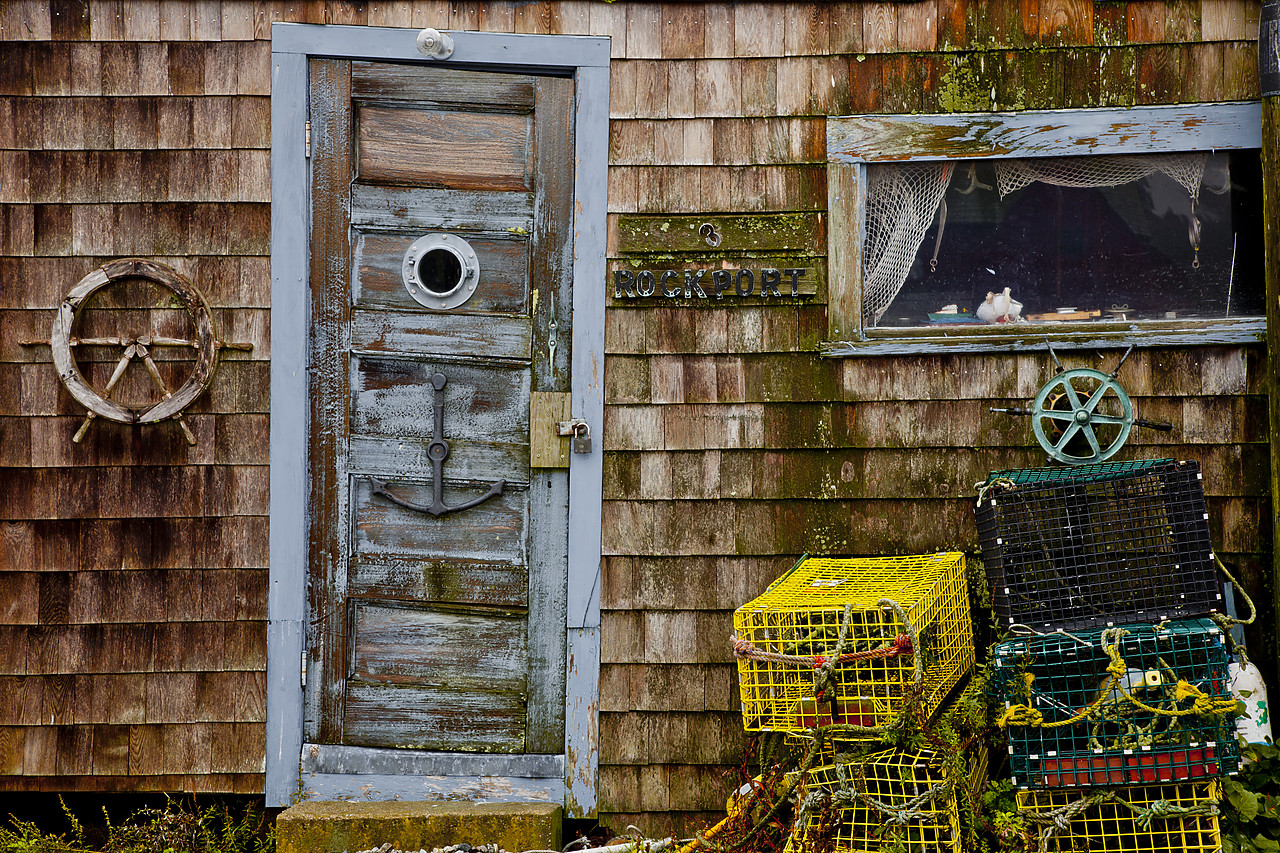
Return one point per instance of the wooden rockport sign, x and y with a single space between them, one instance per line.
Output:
707 283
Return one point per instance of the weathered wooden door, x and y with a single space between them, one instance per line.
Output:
441 246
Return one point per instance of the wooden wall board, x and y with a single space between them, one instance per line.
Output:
672 790
668 687
881 473
673 738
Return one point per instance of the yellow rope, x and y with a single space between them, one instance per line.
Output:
1203 704
734 807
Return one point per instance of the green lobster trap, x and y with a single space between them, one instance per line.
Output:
892 795
1157 818
850 641
1123 706
1097 545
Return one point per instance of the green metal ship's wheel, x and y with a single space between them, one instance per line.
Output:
1082 416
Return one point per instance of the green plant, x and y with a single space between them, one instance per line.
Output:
25 837
1251 803
1006 829
180 827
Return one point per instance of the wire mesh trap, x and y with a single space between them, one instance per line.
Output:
1097 545
892 795
1122 706
839 641
1155 818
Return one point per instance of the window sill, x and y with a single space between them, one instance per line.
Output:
1028 337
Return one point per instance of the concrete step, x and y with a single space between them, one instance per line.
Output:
334 827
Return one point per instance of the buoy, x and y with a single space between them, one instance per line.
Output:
1247 686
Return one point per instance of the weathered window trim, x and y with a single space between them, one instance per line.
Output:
853 142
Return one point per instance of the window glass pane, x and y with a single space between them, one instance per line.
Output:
1141 237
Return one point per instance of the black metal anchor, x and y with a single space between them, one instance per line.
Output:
437 452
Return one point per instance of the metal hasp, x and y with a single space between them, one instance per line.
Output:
1070 408
437 452
581 432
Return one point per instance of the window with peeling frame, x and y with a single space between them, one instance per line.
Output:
980 230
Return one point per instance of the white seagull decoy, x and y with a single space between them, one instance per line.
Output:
999 308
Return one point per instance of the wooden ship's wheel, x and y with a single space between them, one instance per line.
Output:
63 343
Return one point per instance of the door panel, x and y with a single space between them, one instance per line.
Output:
424 83
446 334
494 530
447 149
504 264
478 652
495 584
438 630
483 402
410 716
424 207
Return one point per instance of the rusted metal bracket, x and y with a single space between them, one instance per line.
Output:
581 432
437 452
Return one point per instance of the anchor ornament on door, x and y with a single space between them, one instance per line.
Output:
437 452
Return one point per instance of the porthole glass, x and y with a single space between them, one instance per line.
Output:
440 271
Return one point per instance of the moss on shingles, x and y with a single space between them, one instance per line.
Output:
327 827
1010 79
961 90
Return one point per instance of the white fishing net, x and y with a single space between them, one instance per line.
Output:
903 199
1101 171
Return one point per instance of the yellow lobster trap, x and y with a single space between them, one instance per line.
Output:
892 796
851 641
1156 818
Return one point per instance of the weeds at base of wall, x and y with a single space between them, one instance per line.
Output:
181 826
1251 811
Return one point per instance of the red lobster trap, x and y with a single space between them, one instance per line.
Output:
850 641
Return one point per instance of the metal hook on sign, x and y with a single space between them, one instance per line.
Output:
1053 355
1123 359
551 335
1193 235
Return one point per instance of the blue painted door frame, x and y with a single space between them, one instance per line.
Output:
345 771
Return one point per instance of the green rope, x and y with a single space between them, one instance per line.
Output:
998 483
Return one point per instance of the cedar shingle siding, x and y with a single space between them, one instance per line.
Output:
133 579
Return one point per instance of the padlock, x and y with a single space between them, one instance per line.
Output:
581 441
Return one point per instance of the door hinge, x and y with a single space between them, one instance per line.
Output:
308 153
304 669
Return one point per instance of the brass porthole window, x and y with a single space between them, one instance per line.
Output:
441 271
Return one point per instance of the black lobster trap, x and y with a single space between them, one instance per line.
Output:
1097 545
1121 706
